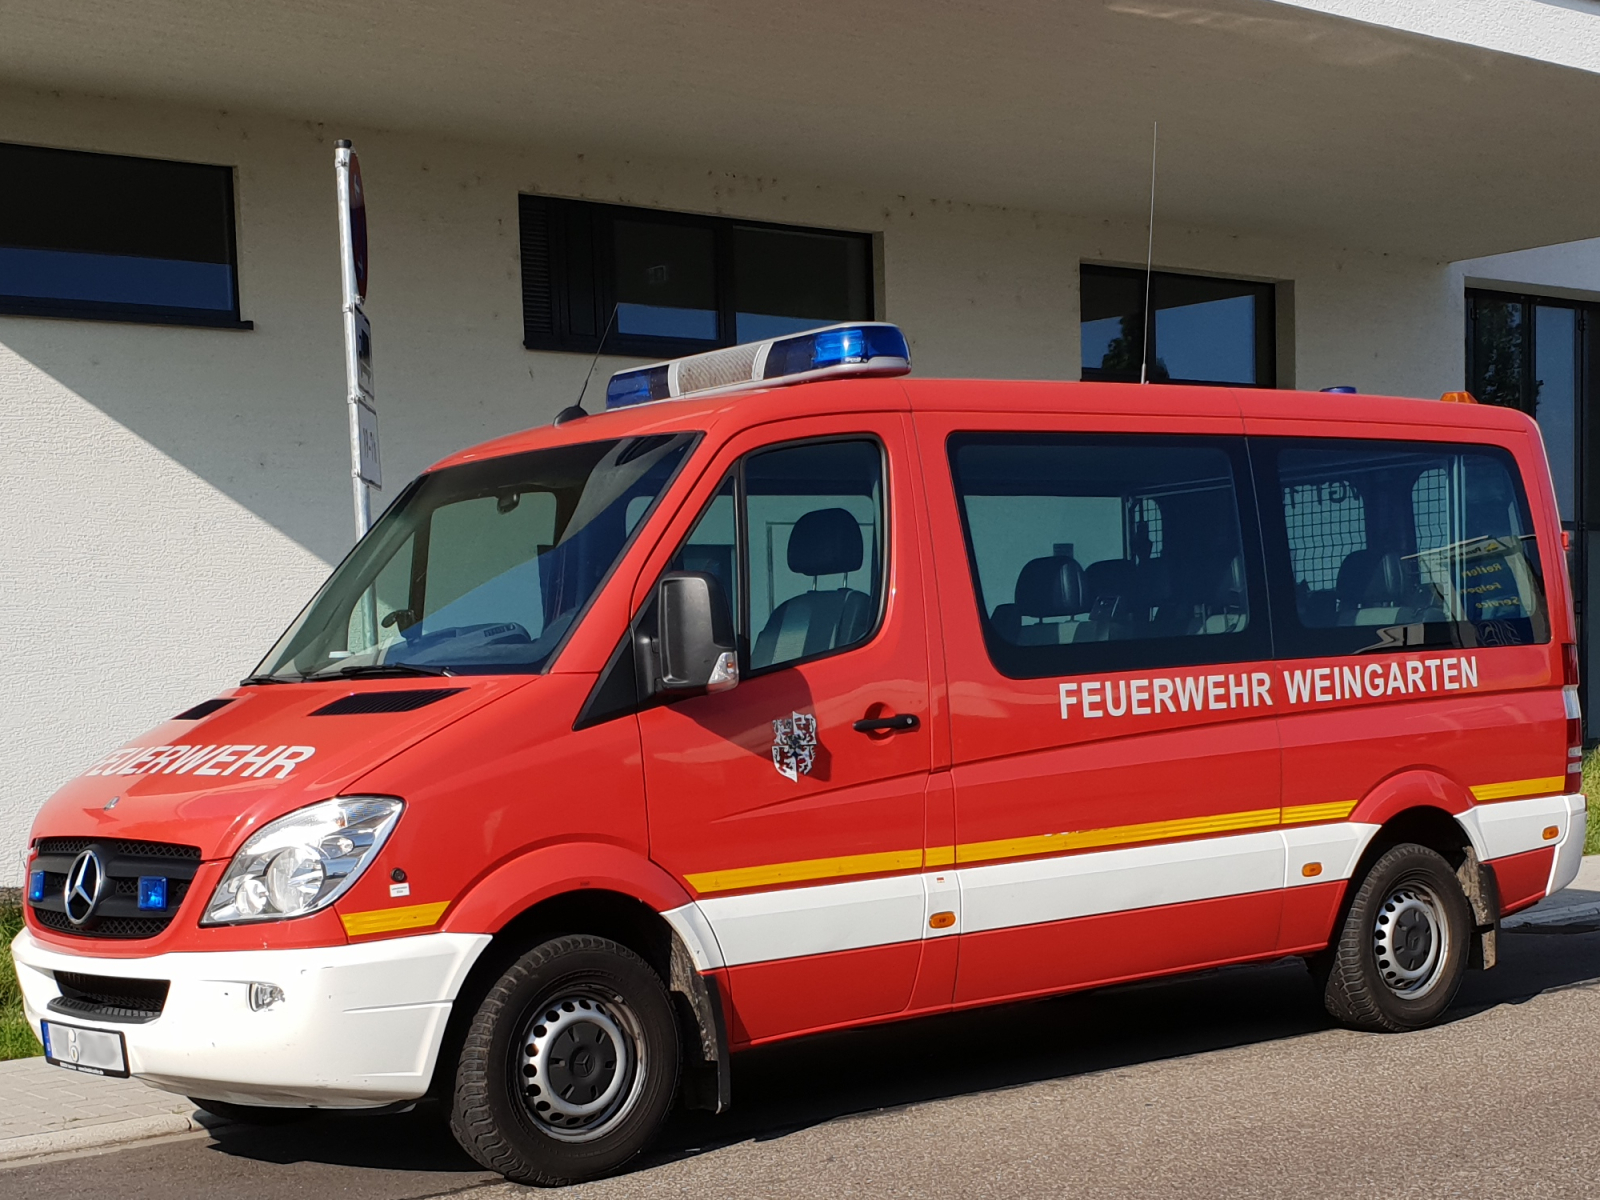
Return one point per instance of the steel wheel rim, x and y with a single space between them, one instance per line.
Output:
1411 940
580 1063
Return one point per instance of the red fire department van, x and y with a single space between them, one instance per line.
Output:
787 695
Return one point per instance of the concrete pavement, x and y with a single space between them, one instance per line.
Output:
46 1110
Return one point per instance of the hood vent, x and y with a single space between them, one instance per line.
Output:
204 709
384 702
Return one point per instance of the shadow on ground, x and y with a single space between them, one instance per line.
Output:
790 1086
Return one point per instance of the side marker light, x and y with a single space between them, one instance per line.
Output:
1458 398
1552 832
941 920
1311 870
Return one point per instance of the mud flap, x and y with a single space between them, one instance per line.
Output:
707 1077
1483 894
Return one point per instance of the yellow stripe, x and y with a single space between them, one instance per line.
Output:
1516 789
938 856
1303 814
1115 835
809 868
385 920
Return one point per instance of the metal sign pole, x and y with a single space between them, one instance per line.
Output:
359 395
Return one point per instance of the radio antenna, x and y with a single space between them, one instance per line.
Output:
1149 258
577 410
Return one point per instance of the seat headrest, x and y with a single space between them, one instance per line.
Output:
1112 577
1230 580
1371 578
1051 587
826 541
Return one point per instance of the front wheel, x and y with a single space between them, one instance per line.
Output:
1402 951
569 1065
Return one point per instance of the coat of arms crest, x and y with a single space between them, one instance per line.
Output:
794 745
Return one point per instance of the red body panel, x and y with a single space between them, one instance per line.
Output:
507 804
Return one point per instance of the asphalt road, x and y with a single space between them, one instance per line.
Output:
1229 1084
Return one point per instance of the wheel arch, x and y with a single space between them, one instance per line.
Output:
609 892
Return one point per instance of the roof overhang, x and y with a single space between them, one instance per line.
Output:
1274 119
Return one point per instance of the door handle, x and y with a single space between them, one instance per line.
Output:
898 723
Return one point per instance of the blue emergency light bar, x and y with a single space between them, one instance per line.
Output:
856 350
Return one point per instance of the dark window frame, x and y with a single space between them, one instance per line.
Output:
144 314
1266 325
1254 643
564 312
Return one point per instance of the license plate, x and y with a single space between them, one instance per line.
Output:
95 1051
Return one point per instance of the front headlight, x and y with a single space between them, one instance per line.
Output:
304 861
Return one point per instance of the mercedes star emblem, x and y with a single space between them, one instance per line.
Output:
85 881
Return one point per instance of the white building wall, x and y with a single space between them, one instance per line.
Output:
173 496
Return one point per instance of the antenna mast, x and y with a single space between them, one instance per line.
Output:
1149 258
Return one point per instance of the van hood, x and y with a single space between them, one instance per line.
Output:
256 753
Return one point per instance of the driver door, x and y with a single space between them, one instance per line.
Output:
799 831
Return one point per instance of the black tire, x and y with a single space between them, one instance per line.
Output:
251 1114
569 1065
1402 951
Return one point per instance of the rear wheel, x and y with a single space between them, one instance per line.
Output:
1402 951
569 1065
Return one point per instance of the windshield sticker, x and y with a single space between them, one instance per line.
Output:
248 761
1310 685
794 745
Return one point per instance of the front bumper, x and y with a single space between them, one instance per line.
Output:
359 1026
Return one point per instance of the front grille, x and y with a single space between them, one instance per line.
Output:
117 914
109 998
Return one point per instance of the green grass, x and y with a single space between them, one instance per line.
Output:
1591 789
17 1039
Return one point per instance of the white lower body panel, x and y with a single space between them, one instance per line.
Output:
358 1026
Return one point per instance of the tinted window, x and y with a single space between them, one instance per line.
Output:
658 283
1388 545
1205 330
102 235
810 520
1107 552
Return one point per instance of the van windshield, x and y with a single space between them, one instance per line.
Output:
481 568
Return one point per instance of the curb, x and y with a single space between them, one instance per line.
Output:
89 1137
1554 916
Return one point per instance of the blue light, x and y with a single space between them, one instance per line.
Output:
152 893
1343 391
640 386
36 886
845 346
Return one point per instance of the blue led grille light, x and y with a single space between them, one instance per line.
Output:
36 886
152 893
860 349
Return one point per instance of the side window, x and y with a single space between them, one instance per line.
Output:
1107 552
796 537
814 542
1390 545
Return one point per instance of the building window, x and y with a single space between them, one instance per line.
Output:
106 237
1206 330
657 284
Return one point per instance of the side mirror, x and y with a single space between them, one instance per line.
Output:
695 642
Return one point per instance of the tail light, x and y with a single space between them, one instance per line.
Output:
1569 694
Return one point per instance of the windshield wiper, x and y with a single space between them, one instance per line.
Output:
378 670
251 680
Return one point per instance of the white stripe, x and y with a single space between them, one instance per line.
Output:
1006 895
1336 847
1514 826
761 926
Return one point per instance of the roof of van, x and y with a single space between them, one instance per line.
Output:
1164 405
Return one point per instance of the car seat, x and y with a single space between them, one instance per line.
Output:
826 541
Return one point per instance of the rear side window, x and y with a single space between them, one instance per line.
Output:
1108 552
1392 545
